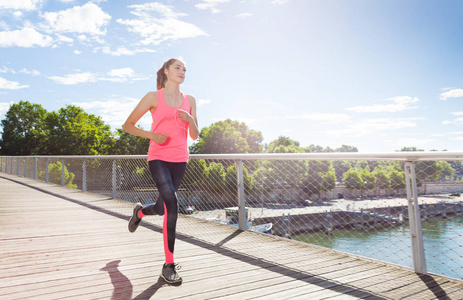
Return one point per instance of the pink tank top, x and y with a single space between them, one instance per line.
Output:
165 120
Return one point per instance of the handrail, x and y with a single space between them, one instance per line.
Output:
398 156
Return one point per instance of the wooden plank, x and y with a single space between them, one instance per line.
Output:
76 245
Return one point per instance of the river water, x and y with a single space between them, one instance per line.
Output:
442 238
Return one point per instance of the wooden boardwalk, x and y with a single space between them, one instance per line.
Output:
58 243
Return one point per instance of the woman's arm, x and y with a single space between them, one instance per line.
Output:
148 102
191 118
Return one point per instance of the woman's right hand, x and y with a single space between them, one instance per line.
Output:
159 138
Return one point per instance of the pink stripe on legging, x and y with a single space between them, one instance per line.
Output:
169 255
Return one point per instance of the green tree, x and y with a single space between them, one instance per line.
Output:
228 137
215 179
282 141
397 180
292 172
23 129
341 167
196 173
382 180
55 172
231 179
353 180
128 144
369 180
72 131
321 178
346 148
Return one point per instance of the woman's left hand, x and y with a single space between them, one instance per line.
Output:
185 116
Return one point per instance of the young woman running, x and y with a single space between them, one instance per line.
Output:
174 116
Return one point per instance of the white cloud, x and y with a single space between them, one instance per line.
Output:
416 142
457 121
11 85
65 39
115 75
22 71
26 37
77 52
4 107
17 14
279 2
20 4
359 128
400 103
156 23
202 102
323 117
124 72
4 26
211 4
454 93
120 110
457 113
243 15
89 18
122 51
75 78
26 71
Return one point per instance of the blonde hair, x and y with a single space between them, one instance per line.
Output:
162 77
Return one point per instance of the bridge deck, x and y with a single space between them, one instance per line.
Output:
58 243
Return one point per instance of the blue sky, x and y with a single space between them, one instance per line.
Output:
378 75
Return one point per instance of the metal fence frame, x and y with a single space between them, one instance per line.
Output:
419 259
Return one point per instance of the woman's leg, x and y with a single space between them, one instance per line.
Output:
167 177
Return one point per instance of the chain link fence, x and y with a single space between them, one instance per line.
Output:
347 202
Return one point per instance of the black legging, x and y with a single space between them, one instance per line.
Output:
167 177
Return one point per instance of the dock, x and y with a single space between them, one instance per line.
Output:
60 243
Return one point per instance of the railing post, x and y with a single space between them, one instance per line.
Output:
47 177
1 163
84 176
419 259
62 172
11 166
35 168
17 166
242 223
114 180
25 167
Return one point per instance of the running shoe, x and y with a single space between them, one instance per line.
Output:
135 219
170 274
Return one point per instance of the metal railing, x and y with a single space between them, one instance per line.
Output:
401 207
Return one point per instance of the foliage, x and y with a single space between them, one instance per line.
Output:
215 177
55 172
382 180
228 137
321 177
23 129
28 129
353 180
231 179
71 131
128 144
397 179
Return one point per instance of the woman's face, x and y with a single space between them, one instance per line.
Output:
176 72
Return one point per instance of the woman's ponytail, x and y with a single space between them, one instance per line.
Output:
162 78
